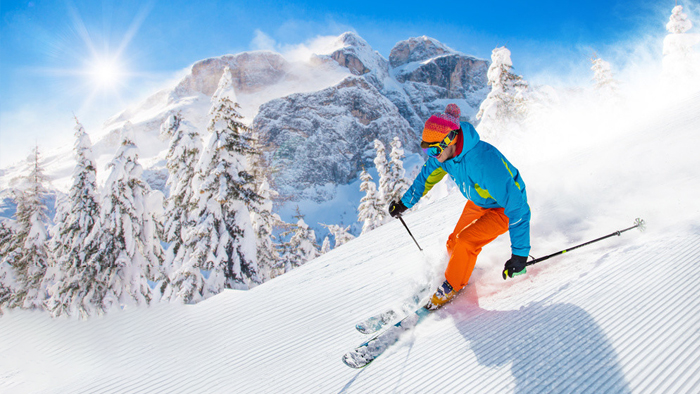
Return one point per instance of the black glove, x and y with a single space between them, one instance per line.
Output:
396 208
514 266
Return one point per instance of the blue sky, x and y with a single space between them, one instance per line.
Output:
51 51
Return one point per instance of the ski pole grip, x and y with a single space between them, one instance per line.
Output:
505 273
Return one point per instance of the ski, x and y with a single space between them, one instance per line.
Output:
375 323
374 347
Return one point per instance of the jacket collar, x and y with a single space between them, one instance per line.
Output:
466 141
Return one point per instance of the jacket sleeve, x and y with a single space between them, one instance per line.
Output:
508 190
429 176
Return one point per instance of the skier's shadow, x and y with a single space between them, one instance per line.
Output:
553 348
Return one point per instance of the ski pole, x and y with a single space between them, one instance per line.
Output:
638 223
409 233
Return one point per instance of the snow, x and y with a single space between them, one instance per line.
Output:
621 315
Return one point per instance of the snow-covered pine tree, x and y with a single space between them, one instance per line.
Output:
76 217
54 272
397 184
340 234
264 220
264 223
183 154
258 167
605 84
369 211
382 167
223 242
129 253
7 237
506 105
678 23
326 245
7 284
680 63
7 279
301 247
29 257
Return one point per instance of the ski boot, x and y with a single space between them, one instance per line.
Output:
442 296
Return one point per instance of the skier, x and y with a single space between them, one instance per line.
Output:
496 193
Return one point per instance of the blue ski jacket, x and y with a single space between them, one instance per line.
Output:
485 177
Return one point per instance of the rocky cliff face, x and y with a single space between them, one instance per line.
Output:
455 76
420 76
356 54
432 74
251 71
416 49
326 137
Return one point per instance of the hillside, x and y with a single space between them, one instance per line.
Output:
619 316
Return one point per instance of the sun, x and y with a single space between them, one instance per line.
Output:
106 73
102 64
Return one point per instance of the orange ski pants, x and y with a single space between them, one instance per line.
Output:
476 227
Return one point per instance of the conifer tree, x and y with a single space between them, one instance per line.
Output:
128 249
301 247
7 279
678 23
7 237
222 242
680 63
369 211
29 257
382 167
7 284
264 220
506 105
603 77
339 233
76 218
397 184
264 223
326 245
257 166
182 157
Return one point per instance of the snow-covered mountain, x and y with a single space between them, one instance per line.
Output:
618 316
433 75
317 117
326 137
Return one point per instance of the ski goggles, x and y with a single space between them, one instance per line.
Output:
436 148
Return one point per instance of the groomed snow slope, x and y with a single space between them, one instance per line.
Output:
619 316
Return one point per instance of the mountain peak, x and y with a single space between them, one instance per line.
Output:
350 38
417 49
357 55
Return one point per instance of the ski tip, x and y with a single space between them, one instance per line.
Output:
352 362
367 330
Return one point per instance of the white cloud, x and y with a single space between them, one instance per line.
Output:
320 45
262 41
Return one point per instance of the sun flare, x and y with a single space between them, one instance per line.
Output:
106 73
